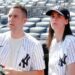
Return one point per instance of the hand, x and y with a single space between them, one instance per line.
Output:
10 71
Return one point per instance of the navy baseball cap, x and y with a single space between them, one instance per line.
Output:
62 11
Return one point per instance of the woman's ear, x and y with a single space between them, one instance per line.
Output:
66 21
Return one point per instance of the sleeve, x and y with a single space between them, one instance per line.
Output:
71 52
2 37
38 62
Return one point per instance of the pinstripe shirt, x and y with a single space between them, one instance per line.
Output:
61 55
28 57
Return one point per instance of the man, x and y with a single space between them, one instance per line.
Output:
20 53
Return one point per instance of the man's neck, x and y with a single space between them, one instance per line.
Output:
17 35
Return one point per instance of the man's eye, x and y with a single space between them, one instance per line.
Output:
15 16
9 16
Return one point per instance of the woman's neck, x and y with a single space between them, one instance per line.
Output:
59 36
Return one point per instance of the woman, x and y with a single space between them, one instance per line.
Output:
61 43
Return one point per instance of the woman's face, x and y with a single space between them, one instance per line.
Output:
58 21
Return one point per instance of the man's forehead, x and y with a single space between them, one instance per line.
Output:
15 11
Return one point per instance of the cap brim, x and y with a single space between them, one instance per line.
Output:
50 12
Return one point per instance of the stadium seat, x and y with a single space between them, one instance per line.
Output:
2 30
72 14
46 57
42 24
73 18
4 20
41 3
35 35
45 19
43 36
26 29
29 24
38 30
2 8
34 19
72 23
73 29
74 34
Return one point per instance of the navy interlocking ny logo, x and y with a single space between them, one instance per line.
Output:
62 61
24 61
1 46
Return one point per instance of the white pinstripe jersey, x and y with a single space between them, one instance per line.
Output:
61 55
29 56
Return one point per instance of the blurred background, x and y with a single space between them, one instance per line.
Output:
38 22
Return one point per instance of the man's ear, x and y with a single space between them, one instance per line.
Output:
25 20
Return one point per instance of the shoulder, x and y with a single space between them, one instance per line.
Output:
30 39
32 44
4 34
69 42
3 38
70 39
70 48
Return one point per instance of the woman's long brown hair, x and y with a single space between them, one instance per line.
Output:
67 31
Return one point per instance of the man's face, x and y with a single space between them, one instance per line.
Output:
16 19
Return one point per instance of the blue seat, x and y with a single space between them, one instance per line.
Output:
29 24
45 19
35 35
73 18
74 34
34 19
43 36
72 23
42 24
72 28
26 29
38 29
4 19
72 14
2 30
41 3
